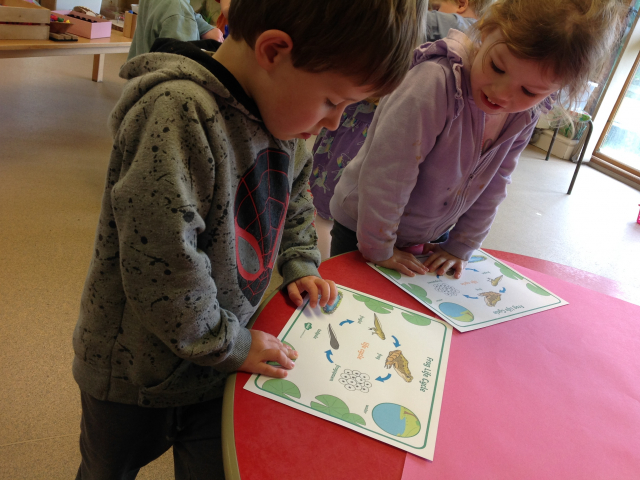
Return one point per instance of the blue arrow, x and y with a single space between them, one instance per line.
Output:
329 352
502 290
380 379
472 269
346 321
396 343
475 298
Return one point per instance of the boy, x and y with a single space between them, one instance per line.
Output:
448 14
169 19
208 181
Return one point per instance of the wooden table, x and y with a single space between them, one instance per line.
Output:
97 47
552 395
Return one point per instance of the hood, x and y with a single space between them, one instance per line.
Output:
171 59
459 50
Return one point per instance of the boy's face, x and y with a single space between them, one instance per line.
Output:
298 104
504 83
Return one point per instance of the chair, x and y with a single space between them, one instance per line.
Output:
582 147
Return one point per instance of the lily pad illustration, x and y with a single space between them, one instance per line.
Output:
353 418
507 272
417 291
373 304
538 290
389 272
335 407
332 406
282 388
416 319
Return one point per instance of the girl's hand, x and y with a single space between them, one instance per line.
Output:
313 285
441 261
404 263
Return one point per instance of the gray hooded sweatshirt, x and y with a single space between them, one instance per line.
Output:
200 202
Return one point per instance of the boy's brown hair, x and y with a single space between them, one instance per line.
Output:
370 40
569 37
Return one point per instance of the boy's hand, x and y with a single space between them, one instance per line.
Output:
313 285
403 262
267 348
441 261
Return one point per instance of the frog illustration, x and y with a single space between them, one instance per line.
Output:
491 298
400 364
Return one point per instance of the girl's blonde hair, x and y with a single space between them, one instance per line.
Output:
569 37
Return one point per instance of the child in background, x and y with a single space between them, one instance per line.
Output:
169 19
207 189
442 147
332 151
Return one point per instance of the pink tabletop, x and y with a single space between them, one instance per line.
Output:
555 395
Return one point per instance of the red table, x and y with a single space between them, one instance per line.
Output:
555 395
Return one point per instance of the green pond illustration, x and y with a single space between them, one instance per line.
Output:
396 420
329 309
417 291
335 407
416 319
372 304
456 311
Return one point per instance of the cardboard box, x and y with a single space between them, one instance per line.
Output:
130 22
23 20
85 25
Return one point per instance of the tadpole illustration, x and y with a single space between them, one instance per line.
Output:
333 340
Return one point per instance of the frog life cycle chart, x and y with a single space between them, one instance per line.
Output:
488 292
369 365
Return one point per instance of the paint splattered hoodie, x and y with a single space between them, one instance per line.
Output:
200 203
421 168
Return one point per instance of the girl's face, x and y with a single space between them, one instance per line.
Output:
504 83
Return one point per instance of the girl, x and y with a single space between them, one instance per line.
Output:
441 148
333 150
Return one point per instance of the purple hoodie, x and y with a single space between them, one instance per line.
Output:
421 169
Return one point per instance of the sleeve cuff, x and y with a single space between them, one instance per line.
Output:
238 354
295 269
458 249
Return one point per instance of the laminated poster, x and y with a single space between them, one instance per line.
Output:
369 365
488 292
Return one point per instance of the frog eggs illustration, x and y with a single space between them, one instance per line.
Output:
353 380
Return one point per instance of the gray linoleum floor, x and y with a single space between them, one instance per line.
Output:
54 149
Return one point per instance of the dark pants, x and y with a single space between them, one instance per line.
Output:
116 440
344 240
